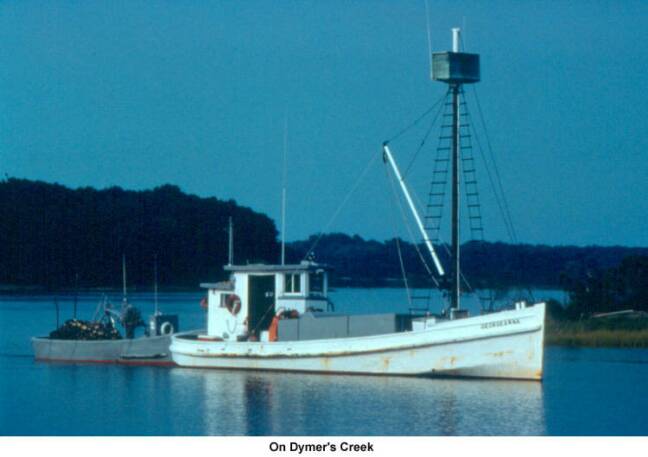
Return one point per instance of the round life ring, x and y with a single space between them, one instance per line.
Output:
233 304
166 328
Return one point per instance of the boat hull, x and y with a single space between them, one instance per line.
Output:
138 351
507 344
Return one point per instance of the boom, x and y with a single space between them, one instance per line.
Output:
426 238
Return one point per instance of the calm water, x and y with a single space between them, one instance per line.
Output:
586 391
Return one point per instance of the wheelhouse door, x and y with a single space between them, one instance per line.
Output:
261 293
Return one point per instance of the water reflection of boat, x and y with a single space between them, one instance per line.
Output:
273 317
266 403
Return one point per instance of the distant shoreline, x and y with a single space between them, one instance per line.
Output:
38 290
10 289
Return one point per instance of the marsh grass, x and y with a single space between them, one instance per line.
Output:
618 332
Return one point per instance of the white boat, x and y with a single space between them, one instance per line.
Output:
506 344
98 341
277 317
70 343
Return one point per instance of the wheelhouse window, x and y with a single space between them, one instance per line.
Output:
316 283
292 283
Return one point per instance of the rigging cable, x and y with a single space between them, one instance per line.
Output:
398 247
425 137
409 229
344 202
445 245
416 122
364 172
496 193
440 240
506 213
500 196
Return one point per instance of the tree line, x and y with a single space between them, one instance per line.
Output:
618 288
485 264
54 237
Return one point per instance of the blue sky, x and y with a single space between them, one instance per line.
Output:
139 94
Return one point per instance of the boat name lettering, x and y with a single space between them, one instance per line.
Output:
500 323
300 448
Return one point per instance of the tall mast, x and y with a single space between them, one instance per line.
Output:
455 300
125 297
456 247
455 68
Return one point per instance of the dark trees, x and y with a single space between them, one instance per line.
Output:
49 234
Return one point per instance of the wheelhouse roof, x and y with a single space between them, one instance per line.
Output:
224 285
265 268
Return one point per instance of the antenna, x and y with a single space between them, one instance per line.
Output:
283 193
56 307
76 293
463 29
230 245
155 285
429 37
124 294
